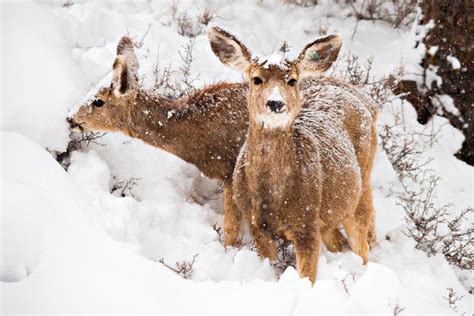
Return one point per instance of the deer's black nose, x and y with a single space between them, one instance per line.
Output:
69 120
275 106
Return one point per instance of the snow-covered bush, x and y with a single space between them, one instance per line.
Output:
429 224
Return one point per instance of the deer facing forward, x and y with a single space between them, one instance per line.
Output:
305 166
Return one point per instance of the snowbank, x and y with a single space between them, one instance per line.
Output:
39 78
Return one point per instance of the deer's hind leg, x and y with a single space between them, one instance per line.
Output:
232 217
264 242
357 233
307 249
333 239
364 214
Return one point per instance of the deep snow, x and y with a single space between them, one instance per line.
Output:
69 245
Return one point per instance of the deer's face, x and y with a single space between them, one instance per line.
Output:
274 96
105 112
109 110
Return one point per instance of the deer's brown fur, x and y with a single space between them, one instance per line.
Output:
305 167
206 128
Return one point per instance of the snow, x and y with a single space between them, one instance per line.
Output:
275 95
432 51
273 60
69 244
377 289
455 63
445 104
35 90
272 120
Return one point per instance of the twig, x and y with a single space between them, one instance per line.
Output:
183 268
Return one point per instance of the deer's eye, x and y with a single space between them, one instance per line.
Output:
98 103
292 82
257 80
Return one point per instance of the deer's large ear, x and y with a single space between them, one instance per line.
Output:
319 55
125 69
230 51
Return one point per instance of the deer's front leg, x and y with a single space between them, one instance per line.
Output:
264 242
232 217
307 248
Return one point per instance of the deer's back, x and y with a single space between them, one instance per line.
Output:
340 121
221 122
344 107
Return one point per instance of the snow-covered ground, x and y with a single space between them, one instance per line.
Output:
70 245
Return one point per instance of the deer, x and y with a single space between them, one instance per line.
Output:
206 127
304 168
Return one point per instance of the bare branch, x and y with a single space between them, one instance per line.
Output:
183 268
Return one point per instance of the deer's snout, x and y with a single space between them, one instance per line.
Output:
275 105
73 125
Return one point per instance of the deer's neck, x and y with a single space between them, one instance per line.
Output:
157 121
272 162
206 129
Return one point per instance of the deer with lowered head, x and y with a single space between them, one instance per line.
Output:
304 169
206 128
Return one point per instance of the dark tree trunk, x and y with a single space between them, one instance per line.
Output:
452 34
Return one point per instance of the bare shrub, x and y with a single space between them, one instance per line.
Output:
78 141
303 3
68 3
185 25
139 43
191 24
383 91
320 25
356 73
359 73
396 12
166 82
403 149
458 243
220 233
430 225
125 187
397 310
206 16
350 277
285 257
187 58
174 9
202 198
453 299
87 138
183 268
422 216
